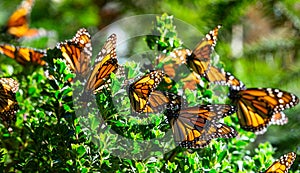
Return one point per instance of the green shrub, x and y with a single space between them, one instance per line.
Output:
52 135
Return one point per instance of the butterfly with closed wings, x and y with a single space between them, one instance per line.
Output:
200 62
78 52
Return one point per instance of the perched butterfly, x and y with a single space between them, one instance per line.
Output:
23 55
106 62
259 107
140 91
8 103
199 59
18 25
283 164
195 127
78 52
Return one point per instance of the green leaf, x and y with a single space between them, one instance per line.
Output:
140 167
222 156
81 151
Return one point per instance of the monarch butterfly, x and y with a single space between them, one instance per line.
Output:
106 62
199 59
283 164
140 91
259 107
17 24
23 55
8 103
213 75
78 52
195 127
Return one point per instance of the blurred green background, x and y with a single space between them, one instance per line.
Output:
259 41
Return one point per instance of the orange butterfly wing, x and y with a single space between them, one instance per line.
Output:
139 92
18 25
199 60
256 107
194 127
106 62
23 55
172 61
8 103
171 64
191 81
77 52
157 102
283 164
220 77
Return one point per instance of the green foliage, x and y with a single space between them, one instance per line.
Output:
51 135
163 35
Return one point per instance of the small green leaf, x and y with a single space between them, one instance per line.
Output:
222 156
140 167
81 151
